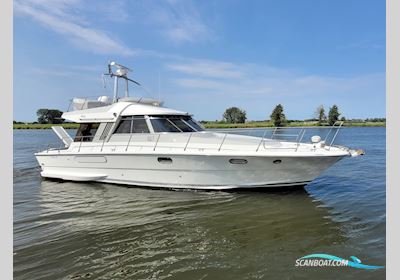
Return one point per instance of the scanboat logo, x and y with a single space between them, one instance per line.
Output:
330 260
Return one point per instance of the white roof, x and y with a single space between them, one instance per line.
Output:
112 112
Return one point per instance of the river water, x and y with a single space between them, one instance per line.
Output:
66 230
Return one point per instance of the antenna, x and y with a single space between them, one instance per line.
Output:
159 96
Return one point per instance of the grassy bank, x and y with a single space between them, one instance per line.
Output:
43 126
209 125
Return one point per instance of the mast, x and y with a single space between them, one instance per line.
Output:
121 72
115 98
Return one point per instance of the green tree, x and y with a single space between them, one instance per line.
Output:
333 115
234 115
49 116
277 116
320 114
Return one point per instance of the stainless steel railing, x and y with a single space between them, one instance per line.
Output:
293 135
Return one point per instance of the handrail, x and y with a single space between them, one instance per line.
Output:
130 137
262 139
332 127
334 136
301 138
187 143
223 140
80 144
155 146
102 145
221 146
273 133
85 99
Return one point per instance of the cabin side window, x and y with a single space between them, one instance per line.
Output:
163 125
86 132
135 124
174 123
183 126
193 123
124 126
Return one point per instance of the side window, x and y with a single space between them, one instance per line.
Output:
163 125
181 125
132 125
174 123
140 126
193 124
124 126
86 132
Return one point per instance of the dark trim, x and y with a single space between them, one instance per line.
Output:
238 161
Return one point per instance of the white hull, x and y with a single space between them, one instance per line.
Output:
186 171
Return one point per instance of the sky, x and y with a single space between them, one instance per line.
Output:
205 56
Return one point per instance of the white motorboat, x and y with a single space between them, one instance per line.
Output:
138 142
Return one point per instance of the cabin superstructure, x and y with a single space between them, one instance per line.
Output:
113 122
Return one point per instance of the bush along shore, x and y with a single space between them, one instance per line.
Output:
233 117
213 125
44 125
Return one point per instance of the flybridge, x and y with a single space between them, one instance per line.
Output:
116 71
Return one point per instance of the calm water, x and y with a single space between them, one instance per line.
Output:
65 230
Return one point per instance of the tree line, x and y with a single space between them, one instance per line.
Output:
278 117
46 116
49 116
231 115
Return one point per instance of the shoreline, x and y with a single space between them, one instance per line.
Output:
214 125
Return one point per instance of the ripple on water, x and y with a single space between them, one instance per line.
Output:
66 230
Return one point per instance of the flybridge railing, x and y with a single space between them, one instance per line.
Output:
88 102
267 138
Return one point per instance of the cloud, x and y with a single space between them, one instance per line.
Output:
283 86
259 81
179 21
201 84
62 17
257 88
115 11
208 68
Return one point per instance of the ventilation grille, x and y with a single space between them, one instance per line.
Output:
106 131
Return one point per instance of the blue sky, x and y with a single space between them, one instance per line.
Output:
205 56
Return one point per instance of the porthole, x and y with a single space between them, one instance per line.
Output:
164 160
277 161
238 161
